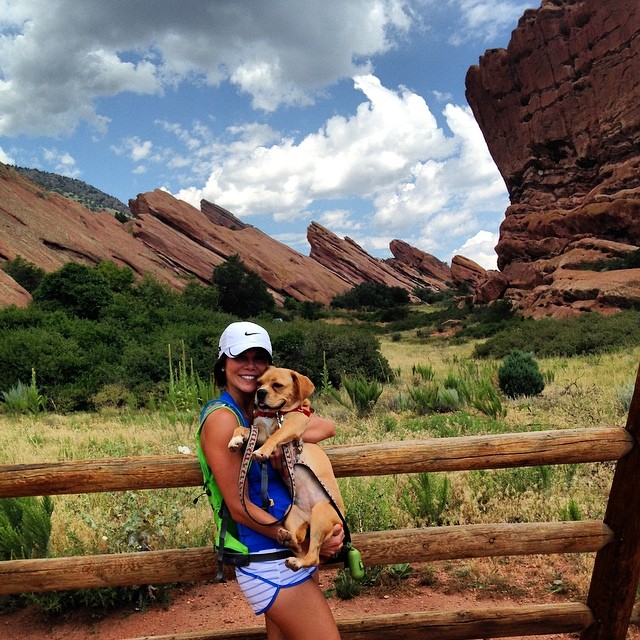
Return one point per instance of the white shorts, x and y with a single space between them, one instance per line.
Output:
261 581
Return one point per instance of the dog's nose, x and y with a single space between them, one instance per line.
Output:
261 394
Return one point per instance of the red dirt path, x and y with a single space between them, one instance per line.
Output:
221 606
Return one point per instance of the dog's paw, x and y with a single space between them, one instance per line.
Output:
284 537
293 564
236 443
262 454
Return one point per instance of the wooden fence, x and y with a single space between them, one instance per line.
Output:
605 615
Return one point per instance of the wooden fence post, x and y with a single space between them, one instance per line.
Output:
617 566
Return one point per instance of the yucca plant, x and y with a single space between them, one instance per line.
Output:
363 393
23 398
424 371
487 400
424 398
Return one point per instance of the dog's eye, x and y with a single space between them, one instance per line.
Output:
277 385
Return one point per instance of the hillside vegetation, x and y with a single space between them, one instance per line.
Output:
87 195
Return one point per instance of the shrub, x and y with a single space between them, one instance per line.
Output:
25 273
586 334
310 348
426 498
363 393
75 289
370 296
241 291
25 527
24 398
519 375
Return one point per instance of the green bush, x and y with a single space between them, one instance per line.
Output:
75 289
363 393
25 273
371 296
582 335
240 290
519 375
317 348
25 527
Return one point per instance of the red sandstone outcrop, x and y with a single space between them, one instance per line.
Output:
184 235
49 230
220 216
11 293
173 241
466 271
559 111
419 267
355 265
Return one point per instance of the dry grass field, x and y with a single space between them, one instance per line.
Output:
579 392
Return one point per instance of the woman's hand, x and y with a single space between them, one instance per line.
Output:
333 544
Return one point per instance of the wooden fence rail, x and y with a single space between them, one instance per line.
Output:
407 456
616 540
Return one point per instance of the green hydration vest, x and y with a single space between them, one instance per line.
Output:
226 529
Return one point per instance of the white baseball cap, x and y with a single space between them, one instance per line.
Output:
240 336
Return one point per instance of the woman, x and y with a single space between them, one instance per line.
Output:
293 604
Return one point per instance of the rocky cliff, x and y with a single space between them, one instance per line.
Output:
559 111
173 241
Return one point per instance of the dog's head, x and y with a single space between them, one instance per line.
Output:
282 390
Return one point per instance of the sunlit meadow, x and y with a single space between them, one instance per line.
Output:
587 391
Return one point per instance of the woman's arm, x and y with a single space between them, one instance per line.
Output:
318 429
225 466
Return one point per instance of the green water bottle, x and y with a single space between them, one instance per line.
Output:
354 561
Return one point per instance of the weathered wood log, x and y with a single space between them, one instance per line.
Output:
616 571
408 456
377 548
437 625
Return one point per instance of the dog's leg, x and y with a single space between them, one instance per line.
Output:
294 530
239 438
293 426
322 521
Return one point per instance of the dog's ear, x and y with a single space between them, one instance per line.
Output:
265 373
303 385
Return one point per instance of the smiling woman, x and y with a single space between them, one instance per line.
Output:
249 531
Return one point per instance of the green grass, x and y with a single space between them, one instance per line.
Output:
582 391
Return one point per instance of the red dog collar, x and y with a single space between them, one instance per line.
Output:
264 414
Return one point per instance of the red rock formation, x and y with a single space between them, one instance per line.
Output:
419 266
49 230
11 293
490 288
352 263
184 236
172 240
466 271
559 111
220 216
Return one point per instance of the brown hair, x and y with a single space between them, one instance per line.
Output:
219 375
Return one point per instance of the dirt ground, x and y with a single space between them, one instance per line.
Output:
210 606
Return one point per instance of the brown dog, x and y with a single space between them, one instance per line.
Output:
286 392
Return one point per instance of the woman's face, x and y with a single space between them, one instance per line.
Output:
243 371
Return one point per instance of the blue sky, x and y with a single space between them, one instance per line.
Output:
352 114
